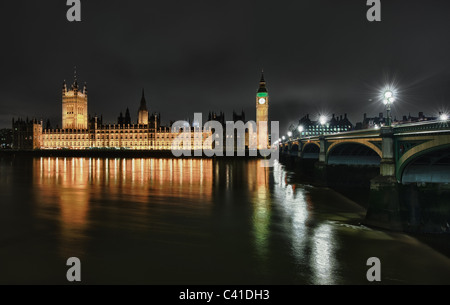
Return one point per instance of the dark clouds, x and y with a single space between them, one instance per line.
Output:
206 55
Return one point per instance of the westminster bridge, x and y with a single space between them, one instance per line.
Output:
406 154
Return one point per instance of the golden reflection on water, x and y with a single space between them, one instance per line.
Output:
70 190
258 185
68 186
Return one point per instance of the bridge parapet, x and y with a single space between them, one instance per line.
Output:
422 127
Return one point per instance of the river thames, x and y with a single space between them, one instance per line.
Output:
191 221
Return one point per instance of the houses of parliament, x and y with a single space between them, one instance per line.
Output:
80 131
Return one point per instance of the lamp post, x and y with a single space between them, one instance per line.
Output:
289 134
322 152
387 101
322 121
300 130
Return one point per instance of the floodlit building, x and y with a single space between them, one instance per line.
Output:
80 132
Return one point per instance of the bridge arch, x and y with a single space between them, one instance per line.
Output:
353 152
311 150
416 153
367 143
306 144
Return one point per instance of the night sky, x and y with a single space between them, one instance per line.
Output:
197 56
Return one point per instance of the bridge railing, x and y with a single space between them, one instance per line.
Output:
400 128
360 132
422 126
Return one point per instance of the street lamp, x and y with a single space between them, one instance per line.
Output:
283 138
289 134
388 99
322 120
300 128
443 117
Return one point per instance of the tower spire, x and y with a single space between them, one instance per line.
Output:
75 81
143 112
64 87
143 105
262 83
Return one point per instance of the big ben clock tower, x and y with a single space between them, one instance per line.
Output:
262 114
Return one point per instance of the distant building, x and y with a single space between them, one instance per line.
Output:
27 134
314 128
239 117
220 117
411 119
371 122
380 120
6 138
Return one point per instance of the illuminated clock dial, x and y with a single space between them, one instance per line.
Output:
262 101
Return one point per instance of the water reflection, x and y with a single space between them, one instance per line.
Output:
68 187
323 252
216 221
312 243
258 186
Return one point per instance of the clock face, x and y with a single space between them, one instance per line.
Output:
262 100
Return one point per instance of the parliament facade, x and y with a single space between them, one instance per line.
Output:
79 131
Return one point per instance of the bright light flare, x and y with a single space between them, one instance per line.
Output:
388 94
